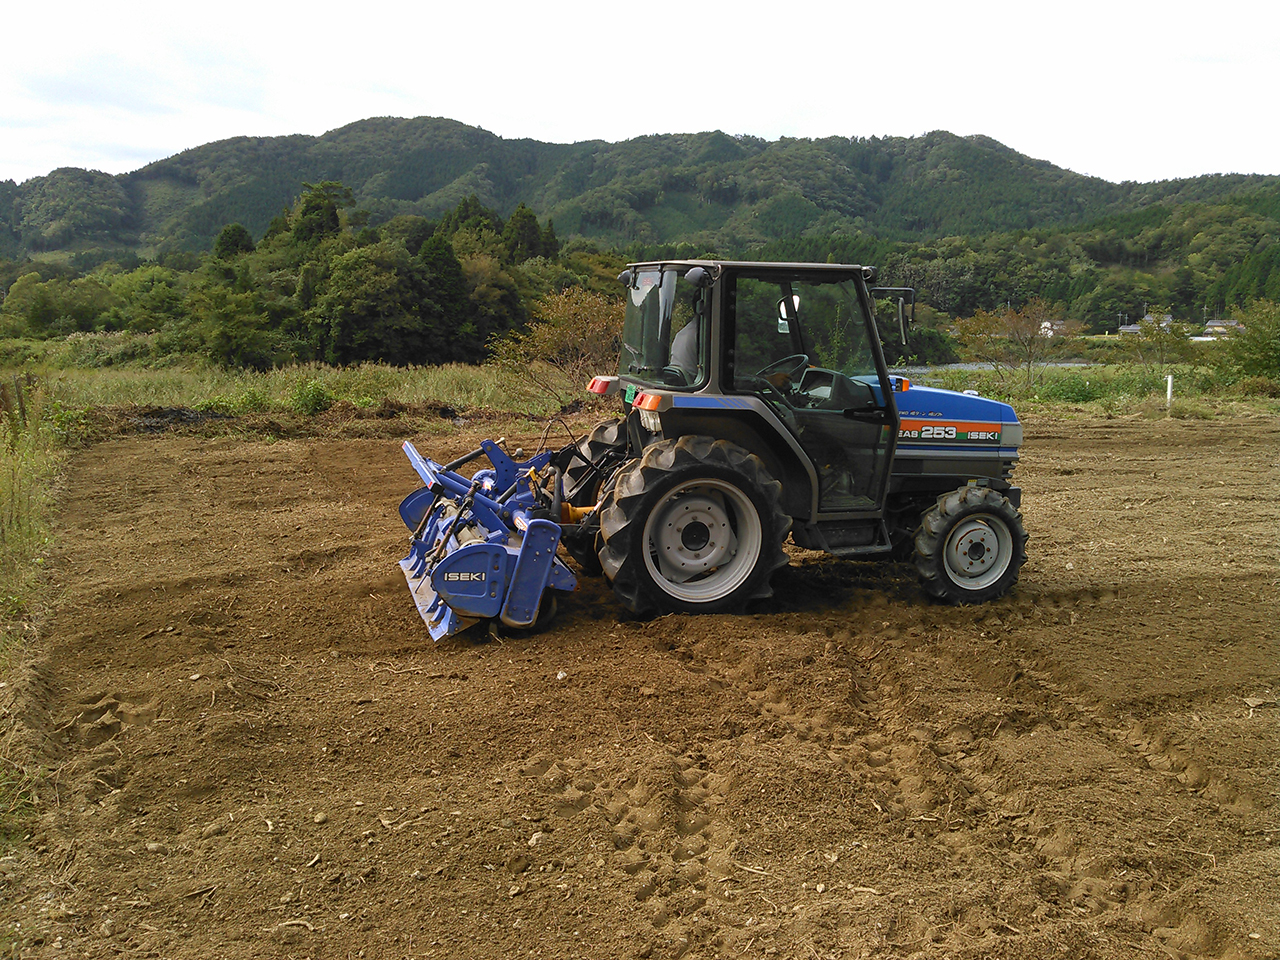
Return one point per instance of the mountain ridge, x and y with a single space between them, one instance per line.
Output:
709 188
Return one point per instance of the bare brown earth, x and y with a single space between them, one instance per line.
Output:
254 749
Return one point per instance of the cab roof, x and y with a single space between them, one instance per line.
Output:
766 267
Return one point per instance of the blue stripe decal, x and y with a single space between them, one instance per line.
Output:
710 403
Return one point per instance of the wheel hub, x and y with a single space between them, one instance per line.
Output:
975 551
693 535
703 539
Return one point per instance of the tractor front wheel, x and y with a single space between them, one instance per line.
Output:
693 526
970 546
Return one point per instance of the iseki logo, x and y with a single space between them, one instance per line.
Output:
455 577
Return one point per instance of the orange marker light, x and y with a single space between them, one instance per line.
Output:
646 401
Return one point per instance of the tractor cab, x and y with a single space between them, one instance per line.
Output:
783 358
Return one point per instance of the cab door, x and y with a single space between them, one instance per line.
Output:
806 345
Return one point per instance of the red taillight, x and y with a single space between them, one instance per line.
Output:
598 385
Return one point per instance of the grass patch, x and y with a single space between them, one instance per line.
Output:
1118 390
1157 409
1084 384
29 459
304 389
30 454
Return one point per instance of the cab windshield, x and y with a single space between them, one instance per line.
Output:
663 339
821 323
803 339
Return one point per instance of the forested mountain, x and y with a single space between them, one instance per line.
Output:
419 241
710 190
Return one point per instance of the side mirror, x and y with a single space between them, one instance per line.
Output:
698 276
626 278
906 298
787 311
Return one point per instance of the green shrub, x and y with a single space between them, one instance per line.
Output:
573 336
70 424
310 397
220 404
252 399
24 352
106 349
1253 348
1257 387
1072 388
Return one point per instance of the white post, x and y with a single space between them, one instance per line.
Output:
1168 396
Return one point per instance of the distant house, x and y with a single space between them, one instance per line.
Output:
1216 329
1165 323
1053 327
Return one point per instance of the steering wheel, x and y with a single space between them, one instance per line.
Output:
781 403
784 370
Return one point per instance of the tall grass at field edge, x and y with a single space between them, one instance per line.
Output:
29 460
308 389
303 389
1115 389
30 456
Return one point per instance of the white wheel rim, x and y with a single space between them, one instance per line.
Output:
978 551
702 540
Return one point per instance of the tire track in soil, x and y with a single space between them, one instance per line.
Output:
934 776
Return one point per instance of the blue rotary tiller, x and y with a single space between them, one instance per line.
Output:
484 548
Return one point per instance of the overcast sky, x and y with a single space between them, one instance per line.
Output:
1119 90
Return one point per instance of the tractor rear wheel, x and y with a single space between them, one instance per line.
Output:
693 526
971 546
582 484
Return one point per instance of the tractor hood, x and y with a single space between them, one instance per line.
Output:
934 417
932 401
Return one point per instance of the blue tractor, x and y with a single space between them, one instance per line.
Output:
755 405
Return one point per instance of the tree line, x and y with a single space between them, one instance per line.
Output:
320 284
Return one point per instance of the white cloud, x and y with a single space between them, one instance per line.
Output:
1109 89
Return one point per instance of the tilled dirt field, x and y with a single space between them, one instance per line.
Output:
254 749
